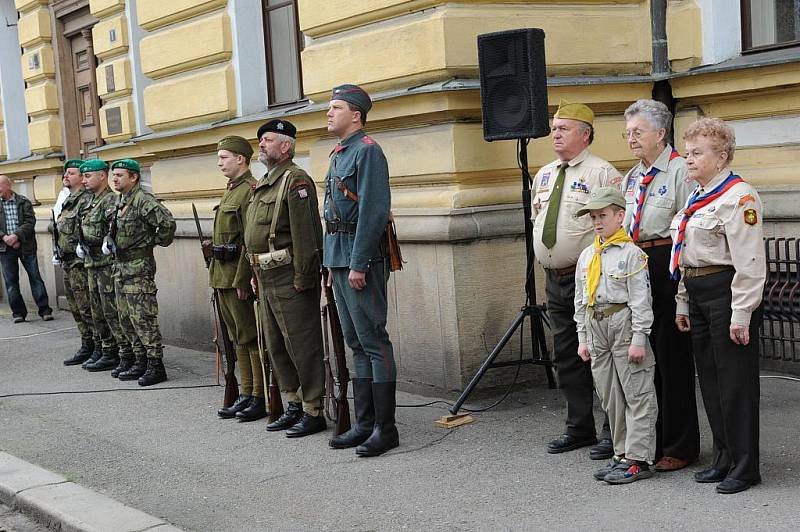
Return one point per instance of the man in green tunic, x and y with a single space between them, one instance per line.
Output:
283 234
229 275
139 224
76 282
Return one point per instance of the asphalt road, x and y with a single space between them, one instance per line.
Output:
13 521
164 452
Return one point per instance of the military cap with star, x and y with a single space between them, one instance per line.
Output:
353 94
127 164
236 144
73 163
93 165
283 127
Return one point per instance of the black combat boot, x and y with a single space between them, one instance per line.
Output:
293 414
256 409
155 373
384 434
134 372
109 360
365 417
124 365
307 425
97 354
82 355
242 402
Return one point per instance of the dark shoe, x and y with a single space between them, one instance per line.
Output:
670 463
732 485
154 374
97 354
365 417
604 450
47 317
384 433
240 404
81 355
19 319
568 442
124 365
307 426
707 476
627 472
109 360
255 409
292 415
601 473
138 369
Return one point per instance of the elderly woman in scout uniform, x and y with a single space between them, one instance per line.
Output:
655 189
718 254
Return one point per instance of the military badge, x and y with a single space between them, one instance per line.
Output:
662 190
302 193
579 186
750 217
544 180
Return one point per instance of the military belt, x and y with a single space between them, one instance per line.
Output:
599 314
340 227
658 242
68 256
689 272
127 255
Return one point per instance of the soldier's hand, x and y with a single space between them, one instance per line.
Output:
740 334
583 352
242 294
636 353
357 280
682 322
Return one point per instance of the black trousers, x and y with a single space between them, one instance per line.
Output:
728 375
574 375
677 430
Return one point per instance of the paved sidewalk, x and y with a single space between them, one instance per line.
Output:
164 452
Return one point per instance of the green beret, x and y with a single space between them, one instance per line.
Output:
127 164
73 163
353 94
93 165
236 145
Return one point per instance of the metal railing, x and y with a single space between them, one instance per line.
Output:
780 331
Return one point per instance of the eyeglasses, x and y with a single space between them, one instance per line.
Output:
635 133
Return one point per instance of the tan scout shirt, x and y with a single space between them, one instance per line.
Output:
585 173
727 231
666 195
624 278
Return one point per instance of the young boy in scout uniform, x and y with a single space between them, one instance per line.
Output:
613 315
229 275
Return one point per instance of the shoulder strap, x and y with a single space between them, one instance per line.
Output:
279 203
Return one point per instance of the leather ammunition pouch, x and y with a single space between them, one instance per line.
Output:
226 252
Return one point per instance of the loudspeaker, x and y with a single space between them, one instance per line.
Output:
513 84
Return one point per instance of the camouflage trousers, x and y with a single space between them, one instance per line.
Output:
138 315
76 283
104 310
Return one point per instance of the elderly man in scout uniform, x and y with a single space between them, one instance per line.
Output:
357 203
561 188
140 223
282 236
116 348
229 275
76 282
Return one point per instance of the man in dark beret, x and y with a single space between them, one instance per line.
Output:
229 275
283 234
357 203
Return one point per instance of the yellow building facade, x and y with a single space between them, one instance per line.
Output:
162 81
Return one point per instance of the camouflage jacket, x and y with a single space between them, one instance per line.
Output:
69 225
229 229
94 222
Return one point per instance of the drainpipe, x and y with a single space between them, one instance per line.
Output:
658 19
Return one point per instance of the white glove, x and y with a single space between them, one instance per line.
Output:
56 262
106 247
80 252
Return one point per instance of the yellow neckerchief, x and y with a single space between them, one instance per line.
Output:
595 265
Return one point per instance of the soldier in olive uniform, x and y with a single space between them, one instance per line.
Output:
357 203
140 222
230 274
100 269
282 236
76 283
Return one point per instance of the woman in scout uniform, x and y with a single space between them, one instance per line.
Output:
718 255
655 189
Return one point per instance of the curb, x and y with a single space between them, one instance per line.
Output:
55 501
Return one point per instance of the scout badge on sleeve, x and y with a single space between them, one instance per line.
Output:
750 217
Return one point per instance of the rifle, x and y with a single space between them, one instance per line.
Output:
274 402
228 362
56 248
330 320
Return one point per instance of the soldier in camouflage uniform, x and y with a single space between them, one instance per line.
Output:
230 274
100 269
282 235
140 222
76 283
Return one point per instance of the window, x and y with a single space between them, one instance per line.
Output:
283 42
770 24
